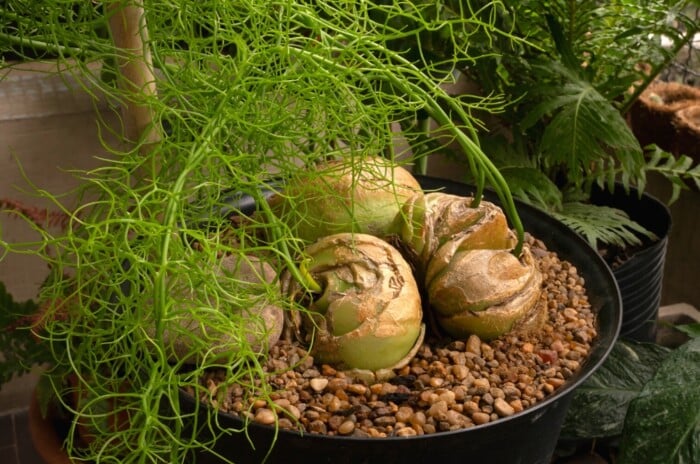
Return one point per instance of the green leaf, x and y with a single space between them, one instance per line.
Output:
533 187
663 423
678 171
19 348
602 224
562 44
599 406
585 132
691 330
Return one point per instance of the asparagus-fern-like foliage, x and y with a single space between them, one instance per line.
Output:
247 94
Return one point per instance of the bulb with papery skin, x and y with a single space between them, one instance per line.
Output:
225 322
473 282
368 314
435 219
487 292
349 195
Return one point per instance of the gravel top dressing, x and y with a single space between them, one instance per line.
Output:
449 385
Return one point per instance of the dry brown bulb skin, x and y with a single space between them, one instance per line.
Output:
474 283
368 316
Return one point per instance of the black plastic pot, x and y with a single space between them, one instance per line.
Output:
640 278
528 437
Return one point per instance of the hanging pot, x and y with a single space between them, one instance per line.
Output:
687 123
528 437
640 276
653 114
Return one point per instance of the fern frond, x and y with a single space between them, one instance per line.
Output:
585 131
602 224
531 186
676 170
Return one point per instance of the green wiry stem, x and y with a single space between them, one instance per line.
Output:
475 156
35 44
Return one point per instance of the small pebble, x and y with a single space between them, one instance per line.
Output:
406 432
502 408
265 416
474 345
346 428
318 384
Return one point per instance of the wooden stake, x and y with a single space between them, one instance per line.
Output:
127 24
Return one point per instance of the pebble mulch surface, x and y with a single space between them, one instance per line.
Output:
449 385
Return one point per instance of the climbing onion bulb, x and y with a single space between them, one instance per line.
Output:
198 325
434 219
488 293
368 314
474 283
348 195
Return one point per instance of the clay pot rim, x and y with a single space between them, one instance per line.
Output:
47 443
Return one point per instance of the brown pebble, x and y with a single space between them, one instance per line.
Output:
404 414
418 419
438 410
481 386
460 372
480 418
502 408
436 381
337 384
346 428
448 396
356 388
406 432
384 421
474 345
265 416
517 405
318 426
318 384
470 407
454 418
294 411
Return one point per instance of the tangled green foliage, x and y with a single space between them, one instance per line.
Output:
248 93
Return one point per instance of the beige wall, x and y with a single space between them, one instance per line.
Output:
48 126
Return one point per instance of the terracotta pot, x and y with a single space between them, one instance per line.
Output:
652 116
45 436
